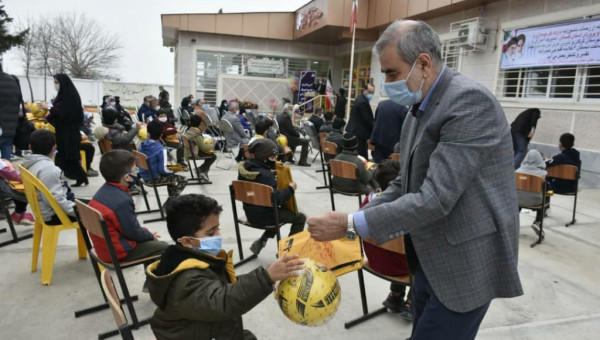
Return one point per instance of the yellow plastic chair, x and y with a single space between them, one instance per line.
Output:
47 233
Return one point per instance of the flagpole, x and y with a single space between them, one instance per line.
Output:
351 72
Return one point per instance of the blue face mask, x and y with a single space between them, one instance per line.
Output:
369 96
398 91
211 245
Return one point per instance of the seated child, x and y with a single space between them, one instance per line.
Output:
157 157
8 173
568 155
40 164
117 134
194 284
261 169
130 240
336 135
532 164
170 135
202 149
364 183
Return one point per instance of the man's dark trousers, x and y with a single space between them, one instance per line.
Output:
432 320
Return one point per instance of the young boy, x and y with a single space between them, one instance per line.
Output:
261 169
201 148
119 137
568 155
194 284
130 240
170 135
364 183
157 157
40 164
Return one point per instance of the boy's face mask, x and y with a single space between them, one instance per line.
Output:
162 119
211 245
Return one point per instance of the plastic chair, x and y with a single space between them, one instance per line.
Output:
395 245
48 234
535 184
227 129
344 170
188 144
82 160
255 194
92 222
568 172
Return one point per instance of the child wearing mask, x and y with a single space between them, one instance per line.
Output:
194 284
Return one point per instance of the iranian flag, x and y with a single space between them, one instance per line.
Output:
329 92
353 15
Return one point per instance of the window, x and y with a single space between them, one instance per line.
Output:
206 76
209 65
451 54
555 82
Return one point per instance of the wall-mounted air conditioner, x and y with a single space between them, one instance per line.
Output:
473 34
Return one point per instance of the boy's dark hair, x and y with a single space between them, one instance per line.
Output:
567 140
115 164
155 129
109 116
262 126
195 120
41 142
387 170
521 37
187 213
328 116
338 123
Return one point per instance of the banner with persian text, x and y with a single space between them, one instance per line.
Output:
562 44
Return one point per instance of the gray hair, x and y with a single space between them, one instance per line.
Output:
419 38
234 105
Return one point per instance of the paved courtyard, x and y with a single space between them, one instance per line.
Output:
560 278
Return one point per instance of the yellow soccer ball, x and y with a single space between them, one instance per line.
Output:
37 111
282 140
206 146
142 134
312 298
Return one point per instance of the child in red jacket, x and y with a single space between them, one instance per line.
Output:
130 240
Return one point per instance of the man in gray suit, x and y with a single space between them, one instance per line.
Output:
455 199
237 136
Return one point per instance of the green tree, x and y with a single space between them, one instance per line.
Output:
7 41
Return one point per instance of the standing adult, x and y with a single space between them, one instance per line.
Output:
66 115
340 104
10 93
287 128
522 130
389 117
361 120
455 205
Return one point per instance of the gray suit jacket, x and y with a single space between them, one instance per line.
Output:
456 196
238 136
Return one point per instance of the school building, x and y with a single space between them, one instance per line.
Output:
529 53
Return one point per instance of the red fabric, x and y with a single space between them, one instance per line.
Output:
114 229
382 260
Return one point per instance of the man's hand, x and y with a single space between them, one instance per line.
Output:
285 266
138 124
293 185
328 227
156 236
